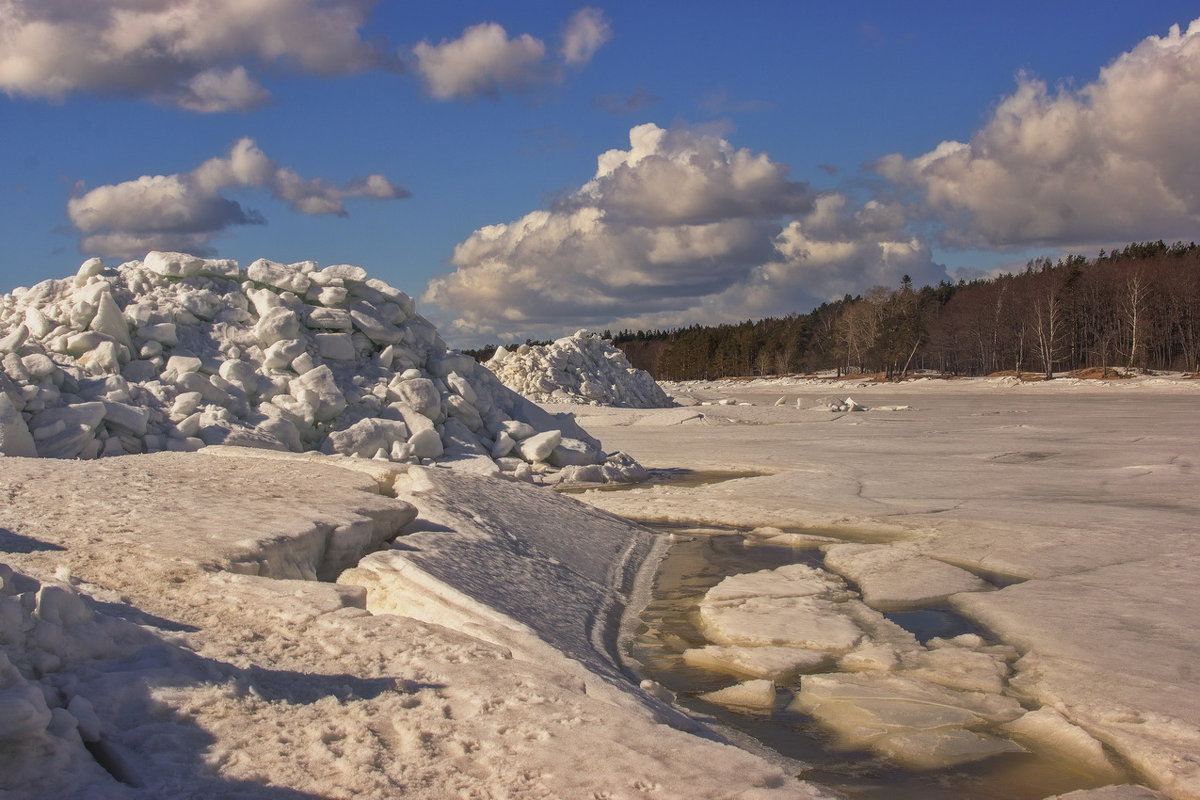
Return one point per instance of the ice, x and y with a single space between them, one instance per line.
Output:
577 369
1050 734
774 663
806 622
1083 491
910 722
269 357
756 694
893 579
189 678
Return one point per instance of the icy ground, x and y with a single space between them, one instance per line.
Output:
161 635
582 368
1078 497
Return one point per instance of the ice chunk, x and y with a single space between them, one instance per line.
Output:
775 663
1049 733
894 578
808 622
15 439
338 346
757 694
914 723
539 446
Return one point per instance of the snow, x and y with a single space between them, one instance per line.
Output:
582 368
177 353
160 609
1072 502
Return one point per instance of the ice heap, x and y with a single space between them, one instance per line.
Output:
176 352
577 369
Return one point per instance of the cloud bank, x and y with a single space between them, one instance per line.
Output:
1116 160
681 227
194 54
484 61
185 210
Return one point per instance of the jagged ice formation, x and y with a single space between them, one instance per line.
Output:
176 352
583 368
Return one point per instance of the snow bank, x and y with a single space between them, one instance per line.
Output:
176 352
577 369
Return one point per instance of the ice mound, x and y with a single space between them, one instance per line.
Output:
176 352
577 369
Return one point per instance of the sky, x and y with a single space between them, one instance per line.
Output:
527 169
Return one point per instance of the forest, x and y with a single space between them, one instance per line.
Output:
1136 308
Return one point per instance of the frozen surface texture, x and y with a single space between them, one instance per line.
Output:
577 369
177 353
1072 502
157 640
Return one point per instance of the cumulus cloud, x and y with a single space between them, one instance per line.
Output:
661 231
195 54
1118 159
587 31
184 211
485 61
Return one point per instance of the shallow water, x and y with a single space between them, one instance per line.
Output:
697 562
681 478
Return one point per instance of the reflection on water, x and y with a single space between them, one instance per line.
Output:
669 626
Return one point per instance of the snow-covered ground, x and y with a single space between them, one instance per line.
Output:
242 623
161 636
1080 493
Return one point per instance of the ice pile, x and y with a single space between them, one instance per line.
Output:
577 369
176 352
869 681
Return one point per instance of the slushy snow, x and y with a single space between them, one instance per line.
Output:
177 353
582 368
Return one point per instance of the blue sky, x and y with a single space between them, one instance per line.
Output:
757 186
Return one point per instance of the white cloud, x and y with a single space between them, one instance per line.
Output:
667 232
587 31
681 176
184 211
482 62
191 53
1117 160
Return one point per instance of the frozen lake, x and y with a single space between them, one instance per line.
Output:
1079 499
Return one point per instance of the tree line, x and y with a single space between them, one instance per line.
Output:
1135 308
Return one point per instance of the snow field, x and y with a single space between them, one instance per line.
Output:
582 368
153 621
175 353
1076 497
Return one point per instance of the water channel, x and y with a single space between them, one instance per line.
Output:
669 625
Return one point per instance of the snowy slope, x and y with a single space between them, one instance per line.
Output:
582 368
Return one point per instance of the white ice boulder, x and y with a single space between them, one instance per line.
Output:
15 439
539 446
